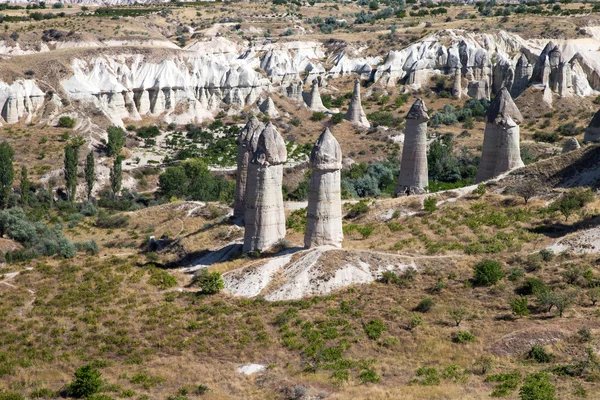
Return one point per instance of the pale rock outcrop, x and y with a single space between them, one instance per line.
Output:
592 132
503 75
294 90
264 218
570 145
541 69
267 107
314 101
355 113
501 148
523 71
252 129
413 177
324 212
20 100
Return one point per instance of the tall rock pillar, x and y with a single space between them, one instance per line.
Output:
324 215
413 178
264 218
355 113
314 101
253 128
501 149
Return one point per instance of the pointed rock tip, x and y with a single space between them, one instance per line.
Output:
250 129
418 110
502 108
595 122
327 153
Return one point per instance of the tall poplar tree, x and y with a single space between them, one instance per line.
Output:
7 172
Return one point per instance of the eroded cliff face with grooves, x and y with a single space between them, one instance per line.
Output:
194 83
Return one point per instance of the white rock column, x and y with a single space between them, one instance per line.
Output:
264 217
252 128
413 177
314 101
355 113
324 213
501 149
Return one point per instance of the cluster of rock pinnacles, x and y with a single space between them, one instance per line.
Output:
259 199
262 153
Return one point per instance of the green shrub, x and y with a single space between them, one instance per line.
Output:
547 255
11 396
337 118
537 387
539 355
464 337
318 116
66 122
506 383
88 381
162 279
430 204
519 307
107 221
368 376
43 393
532 286
374 328
425 305
480 190
358 209
366 230
487 273
209 282
429 376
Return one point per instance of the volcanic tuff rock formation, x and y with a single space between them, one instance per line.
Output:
324 212
355 113
264 218
195 83
592 132
501 150
413 177
251 131
267 107
314 101
570 145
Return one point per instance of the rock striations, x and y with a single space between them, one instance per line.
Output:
355 113
264 218
314 101
324 214
501 150
413 178
251 131
592 132
268 108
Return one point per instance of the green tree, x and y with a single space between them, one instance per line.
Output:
7 172
537 387
88 381
89 174
173 182
116 140
519 307
116 176
66 122
70 169
25 186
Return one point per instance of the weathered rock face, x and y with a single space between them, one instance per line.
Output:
501 149
592 132
267 107
21 100
570 145
523 71
253 128
314 101
355 113
324 213
413 178
264 217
